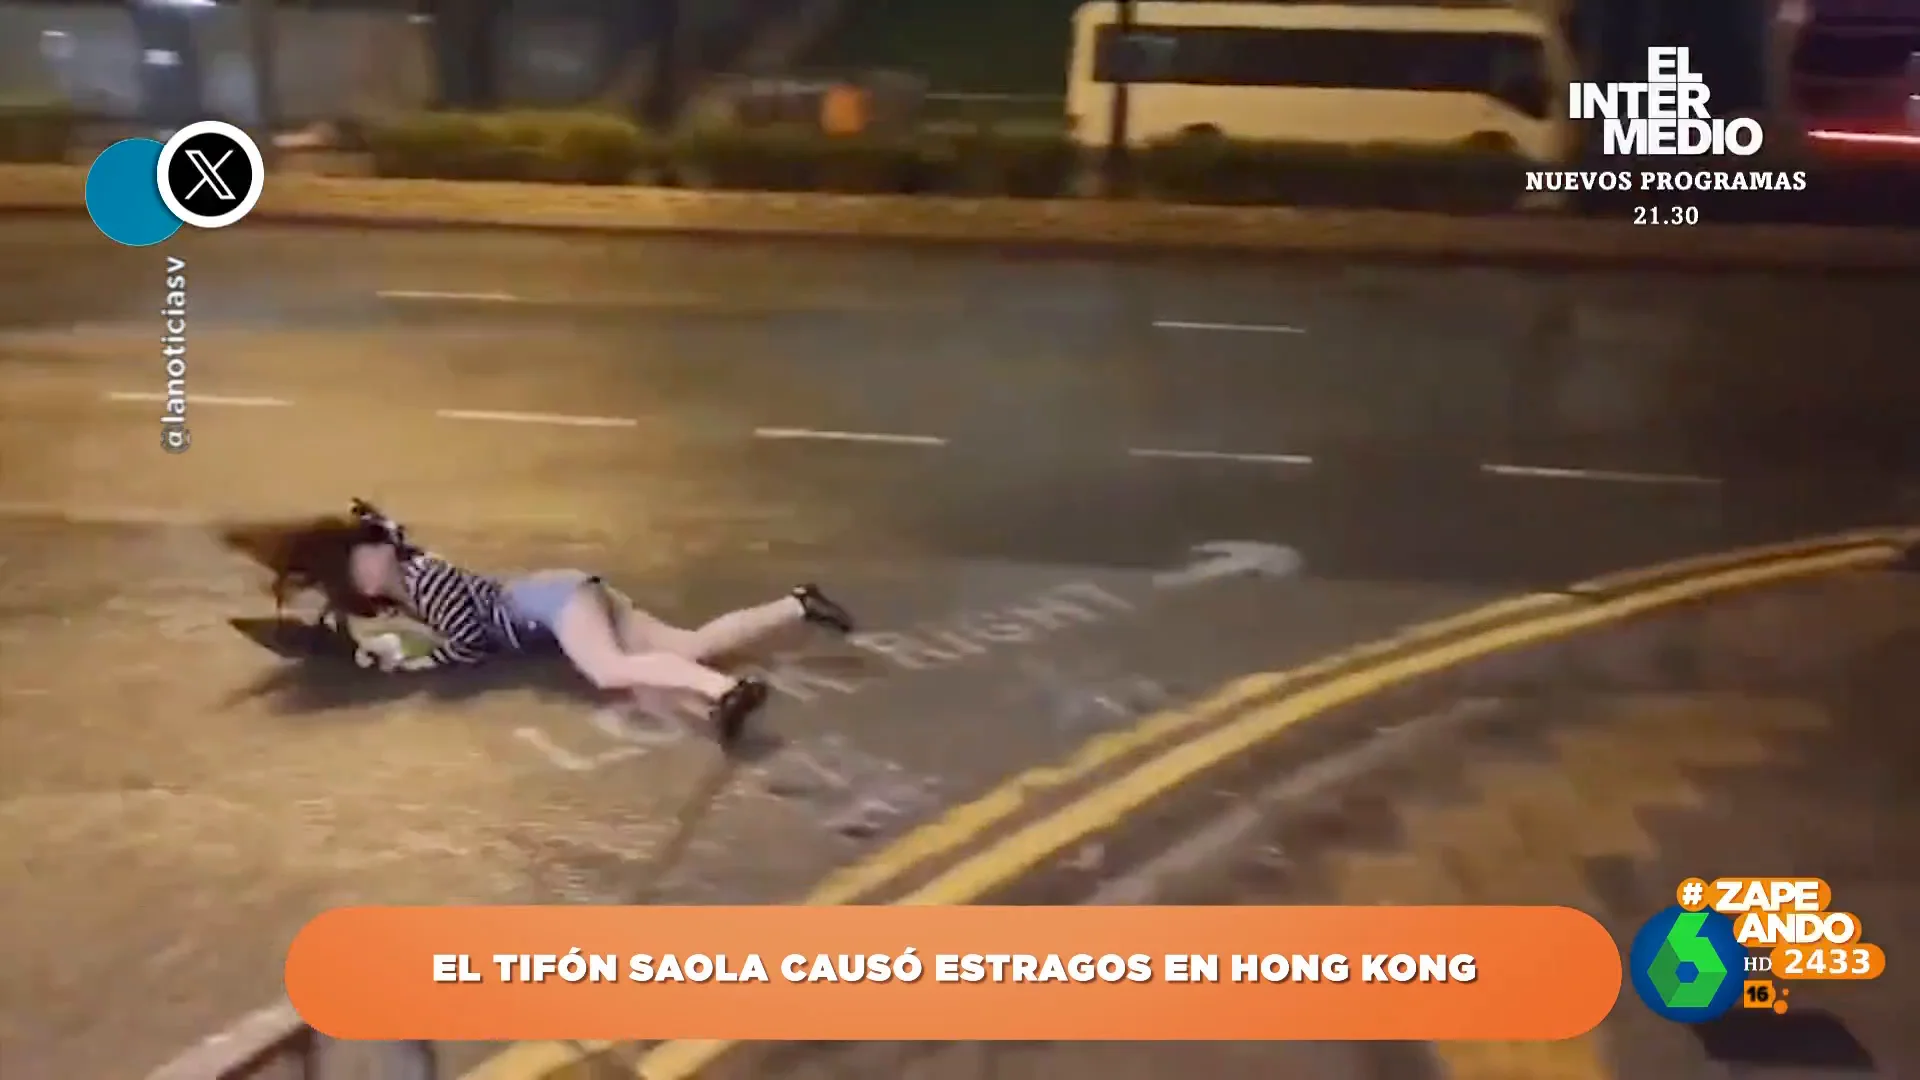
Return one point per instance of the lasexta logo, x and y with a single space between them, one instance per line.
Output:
1685 964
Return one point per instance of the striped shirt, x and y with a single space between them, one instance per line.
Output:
468 611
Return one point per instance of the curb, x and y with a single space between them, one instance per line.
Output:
255 1042
306 199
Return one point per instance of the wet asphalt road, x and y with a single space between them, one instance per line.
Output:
1770 729
992 458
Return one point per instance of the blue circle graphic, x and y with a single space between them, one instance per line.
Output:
1687 966
123 194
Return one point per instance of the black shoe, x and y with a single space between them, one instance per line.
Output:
822 611
737 706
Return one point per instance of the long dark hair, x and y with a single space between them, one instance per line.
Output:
312 554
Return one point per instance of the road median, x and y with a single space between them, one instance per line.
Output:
1037 222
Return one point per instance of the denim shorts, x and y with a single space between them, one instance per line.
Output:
537 599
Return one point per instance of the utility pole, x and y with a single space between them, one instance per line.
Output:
664 97
1913 92
1120 64
1786 21
466 52
262 39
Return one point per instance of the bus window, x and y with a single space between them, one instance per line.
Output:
1145 56
1235 56
1519 76
1508 67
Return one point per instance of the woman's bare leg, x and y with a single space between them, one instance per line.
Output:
738 631
730 634
586 633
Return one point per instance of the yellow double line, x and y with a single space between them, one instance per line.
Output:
1337 680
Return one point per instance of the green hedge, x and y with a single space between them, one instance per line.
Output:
556 148
35 132
1025 162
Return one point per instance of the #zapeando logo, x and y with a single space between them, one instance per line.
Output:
1687 965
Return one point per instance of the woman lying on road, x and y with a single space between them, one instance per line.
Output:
364 566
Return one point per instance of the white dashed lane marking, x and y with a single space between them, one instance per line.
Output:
243 402
1219 455
1227 328
552 419
459 297
1607 476
780 434
887 438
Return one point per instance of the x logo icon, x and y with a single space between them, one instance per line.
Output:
210 175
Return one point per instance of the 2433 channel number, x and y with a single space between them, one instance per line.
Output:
1666 215
1851 962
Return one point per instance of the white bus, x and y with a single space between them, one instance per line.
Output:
1326 73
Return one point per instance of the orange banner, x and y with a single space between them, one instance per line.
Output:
937 973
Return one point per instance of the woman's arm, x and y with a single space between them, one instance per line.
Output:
445 601
451 652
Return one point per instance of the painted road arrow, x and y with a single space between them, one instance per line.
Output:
1228 558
